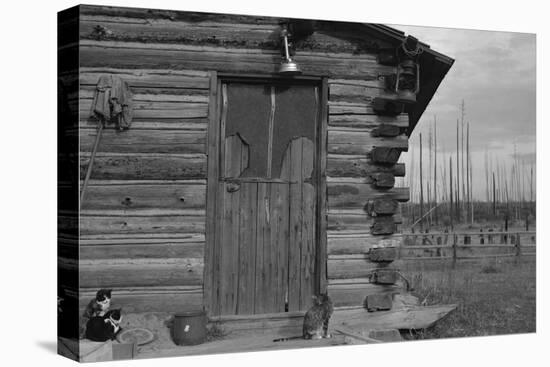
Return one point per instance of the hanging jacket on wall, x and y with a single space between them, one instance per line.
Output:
113 101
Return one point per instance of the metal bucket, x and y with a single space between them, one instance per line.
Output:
189 328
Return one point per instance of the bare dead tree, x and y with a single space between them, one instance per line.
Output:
421 188
462 112
457 174
470 171
494 197
435 170
451 189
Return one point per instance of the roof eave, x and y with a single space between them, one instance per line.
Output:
433 65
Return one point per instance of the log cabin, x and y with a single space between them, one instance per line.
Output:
240 188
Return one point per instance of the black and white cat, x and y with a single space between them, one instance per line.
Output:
99 305
103 328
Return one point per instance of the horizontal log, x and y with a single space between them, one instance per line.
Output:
150 299
408 253
67 224
357 120
351 244
341 165
360 91
106 238
114 195
360 141
149 78
140 272
349 108
354 193
376 82
146 166
188 124
348 222
124 222
67 278
222 59
151 250
353 220
153 15
144 141
350 266
143 97
156 110
245 33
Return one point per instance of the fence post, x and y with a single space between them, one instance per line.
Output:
399 246
518 248
455 240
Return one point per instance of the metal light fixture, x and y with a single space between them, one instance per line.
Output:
287 66
407 80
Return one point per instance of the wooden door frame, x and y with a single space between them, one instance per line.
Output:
214 156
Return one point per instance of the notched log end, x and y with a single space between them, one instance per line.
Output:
384 155
379 302
386 130
383 226
383 180
377 207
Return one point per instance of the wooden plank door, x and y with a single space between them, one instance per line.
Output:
265 248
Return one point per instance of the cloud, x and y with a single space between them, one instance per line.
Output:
495 74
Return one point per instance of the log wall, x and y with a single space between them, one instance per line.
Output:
143 219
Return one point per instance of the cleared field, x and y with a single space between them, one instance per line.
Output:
494 296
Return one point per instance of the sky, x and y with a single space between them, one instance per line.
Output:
495 74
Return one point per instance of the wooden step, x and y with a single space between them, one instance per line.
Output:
357 319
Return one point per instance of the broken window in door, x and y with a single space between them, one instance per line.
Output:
260 123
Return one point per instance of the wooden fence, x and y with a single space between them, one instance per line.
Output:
466 245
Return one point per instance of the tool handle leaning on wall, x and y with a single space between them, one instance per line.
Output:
90 165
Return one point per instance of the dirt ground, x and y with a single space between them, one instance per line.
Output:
158 323
494 297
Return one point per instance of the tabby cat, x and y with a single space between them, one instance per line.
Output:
103 328
316 319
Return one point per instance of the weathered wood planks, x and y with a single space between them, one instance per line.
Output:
128 194
165 58
342 243
223 30
222 59
150 299
143 110
350 266
351 193
156 79
355 166
142 248
125 272
141 221
145 166
359 141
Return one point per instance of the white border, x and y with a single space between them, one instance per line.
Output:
28 157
